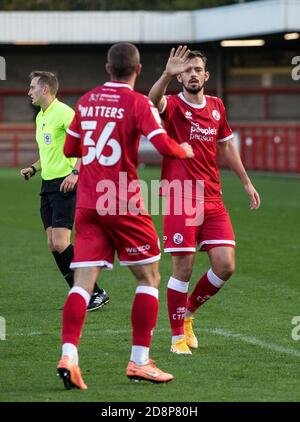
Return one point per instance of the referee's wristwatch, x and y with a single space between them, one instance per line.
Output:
75 171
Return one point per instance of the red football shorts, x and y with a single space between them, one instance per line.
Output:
185 233
98 237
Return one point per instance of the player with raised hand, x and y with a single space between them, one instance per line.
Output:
177 63
105 132
201 121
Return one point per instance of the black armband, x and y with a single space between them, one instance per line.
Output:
33 169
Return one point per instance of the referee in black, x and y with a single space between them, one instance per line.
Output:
59 175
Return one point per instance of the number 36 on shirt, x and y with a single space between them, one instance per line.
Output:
96 147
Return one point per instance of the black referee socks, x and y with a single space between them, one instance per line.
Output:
63 261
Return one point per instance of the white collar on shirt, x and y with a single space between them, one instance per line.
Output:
118 85
182 97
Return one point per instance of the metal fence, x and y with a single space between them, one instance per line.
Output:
264 147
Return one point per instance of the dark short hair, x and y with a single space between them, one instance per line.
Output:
196 53
123 58
46 78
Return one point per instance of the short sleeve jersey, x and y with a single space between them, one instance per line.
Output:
202 126
108 123
51 130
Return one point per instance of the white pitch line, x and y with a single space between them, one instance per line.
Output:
255 341
216 331
34 333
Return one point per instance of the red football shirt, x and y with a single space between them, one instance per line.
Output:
202 126
105 132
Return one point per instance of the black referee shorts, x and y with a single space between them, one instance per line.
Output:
58 209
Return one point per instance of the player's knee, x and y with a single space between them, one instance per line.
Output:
184 272
151 278
225 269
228 270
59 244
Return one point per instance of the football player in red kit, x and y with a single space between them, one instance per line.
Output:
105 132
199 119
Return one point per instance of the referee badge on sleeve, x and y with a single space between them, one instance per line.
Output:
47 138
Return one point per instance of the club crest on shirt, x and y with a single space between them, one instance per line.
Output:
216 115
47 138
178 238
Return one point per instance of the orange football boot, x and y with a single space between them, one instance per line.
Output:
148 372
70 374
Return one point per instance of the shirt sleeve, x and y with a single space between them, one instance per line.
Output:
166 112
68 116
72 147
149 124
225 132
167 146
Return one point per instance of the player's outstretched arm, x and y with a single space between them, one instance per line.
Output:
170 148
232 158
29 172
188 149
176 64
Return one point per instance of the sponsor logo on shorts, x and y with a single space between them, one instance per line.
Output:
137 250
178 238
47 138
216 115
165 238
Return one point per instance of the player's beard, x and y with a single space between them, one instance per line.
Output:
194 90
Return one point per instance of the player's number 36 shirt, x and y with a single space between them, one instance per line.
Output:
105 132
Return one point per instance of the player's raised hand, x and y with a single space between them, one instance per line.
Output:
178 61
188 149
253 195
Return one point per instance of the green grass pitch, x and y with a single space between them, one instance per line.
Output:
246 350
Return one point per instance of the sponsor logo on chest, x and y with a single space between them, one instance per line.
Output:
205 134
